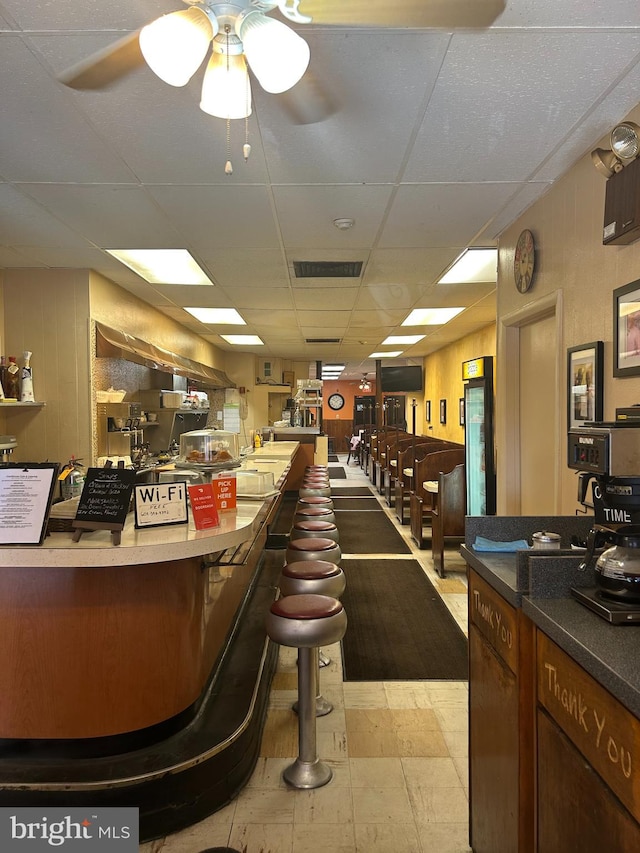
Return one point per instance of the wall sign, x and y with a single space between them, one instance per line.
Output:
160 503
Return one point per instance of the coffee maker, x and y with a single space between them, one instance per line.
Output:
605 454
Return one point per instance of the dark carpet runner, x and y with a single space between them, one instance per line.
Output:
337 473
398 627
368 533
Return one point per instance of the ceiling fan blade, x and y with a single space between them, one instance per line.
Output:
309 101
404 13
107 66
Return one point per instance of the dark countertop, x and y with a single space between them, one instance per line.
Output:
539 583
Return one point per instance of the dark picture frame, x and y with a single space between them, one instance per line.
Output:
461 410
585 383
626 330
427 411
443 411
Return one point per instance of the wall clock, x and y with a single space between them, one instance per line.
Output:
524 261
336 401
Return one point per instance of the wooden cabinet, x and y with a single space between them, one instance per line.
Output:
501 706
588 761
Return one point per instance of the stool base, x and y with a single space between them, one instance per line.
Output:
307 774
323 706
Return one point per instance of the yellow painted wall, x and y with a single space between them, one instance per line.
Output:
443 381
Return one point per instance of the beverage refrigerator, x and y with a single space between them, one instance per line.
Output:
480 473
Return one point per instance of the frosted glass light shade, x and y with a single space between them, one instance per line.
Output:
277 55
175 45
226 91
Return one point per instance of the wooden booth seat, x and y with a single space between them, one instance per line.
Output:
421 501
448 513
403 484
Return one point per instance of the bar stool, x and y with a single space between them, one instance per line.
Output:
312 529
313 489
305 622
315 548
315 577
314 500
314 512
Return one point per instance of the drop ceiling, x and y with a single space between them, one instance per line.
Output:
432 141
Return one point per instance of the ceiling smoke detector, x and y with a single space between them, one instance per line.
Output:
344 224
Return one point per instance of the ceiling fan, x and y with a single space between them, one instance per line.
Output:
244 29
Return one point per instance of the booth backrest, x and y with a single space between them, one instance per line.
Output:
431 466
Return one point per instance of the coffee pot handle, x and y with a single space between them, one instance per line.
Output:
595 539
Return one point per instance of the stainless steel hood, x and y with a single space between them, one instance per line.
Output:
114 343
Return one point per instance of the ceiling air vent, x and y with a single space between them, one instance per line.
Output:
327 269
323 340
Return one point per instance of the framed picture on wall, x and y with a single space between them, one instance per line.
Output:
461 410
626 330
427 411
585 375
443 411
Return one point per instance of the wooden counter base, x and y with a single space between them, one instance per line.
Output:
189 775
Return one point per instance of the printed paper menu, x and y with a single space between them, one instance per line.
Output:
25 499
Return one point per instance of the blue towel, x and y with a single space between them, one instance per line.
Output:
482 544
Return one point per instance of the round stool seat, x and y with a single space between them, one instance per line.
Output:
316 478
309 490
316 481
315 500
314 512
306 621
317 577
309 529
322 468
315 548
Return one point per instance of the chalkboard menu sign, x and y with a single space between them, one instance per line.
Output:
105 500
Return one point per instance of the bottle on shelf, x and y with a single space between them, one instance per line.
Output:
12 388
26 384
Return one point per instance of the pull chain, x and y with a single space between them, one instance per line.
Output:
228 169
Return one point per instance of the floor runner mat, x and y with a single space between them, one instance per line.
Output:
399 629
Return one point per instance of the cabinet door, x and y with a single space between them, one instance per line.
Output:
493 750
576 810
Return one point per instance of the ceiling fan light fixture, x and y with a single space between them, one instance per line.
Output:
278 56
226 90
175 45
625 140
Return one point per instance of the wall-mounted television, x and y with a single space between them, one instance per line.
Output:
397 378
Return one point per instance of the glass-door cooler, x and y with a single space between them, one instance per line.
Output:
480 473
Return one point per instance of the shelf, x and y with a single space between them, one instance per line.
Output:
5 405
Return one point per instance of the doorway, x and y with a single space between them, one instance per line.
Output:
531 389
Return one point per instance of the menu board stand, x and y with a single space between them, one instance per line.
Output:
105 501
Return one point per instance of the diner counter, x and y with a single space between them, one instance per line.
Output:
539 583
564 684
103 639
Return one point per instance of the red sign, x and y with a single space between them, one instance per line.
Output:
224 489
203 506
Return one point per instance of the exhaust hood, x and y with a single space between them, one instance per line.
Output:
114 343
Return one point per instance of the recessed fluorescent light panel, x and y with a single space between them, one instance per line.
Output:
402 339
473 266
162 266
431 316
213 316
243 340
386 354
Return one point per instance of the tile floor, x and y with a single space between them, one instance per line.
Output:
398 751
